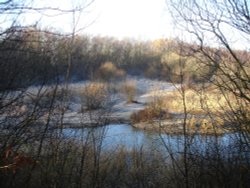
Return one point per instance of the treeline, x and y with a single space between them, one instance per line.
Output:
31 56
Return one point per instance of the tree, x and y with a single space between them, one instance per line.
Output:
28 56
220 33
220 28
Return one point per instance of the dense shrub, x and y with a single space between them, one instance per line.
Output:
155 110
109 72
94 96
149 114
129 90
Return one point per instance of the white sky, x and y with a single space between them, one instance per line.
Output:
144 19
139 19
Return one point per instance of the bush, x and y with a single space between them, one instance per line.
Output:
149 114
94 96
109 72
129 89
154 111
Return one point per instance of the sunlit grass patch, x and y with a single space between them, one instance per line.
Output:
198 102
205 125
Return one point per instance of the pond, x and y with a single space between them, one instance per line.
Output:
123 135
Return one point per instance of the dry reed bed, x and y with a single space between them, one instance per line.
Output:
207 112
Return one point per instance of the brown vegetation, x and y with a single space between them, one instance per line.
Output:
148 115
154 111
128 88
94 96
109 72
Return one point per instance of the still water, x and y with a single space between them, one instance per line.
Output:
123 135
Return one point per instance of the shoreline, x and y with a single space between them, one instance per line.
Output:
172 126
176 128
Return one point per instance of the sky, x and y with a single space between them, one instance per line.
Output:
136 19
139 19
144 19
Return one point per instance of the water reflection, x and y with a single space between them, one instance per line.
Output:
123 135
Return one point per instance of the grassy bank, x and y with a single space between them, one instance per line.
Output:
201 110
